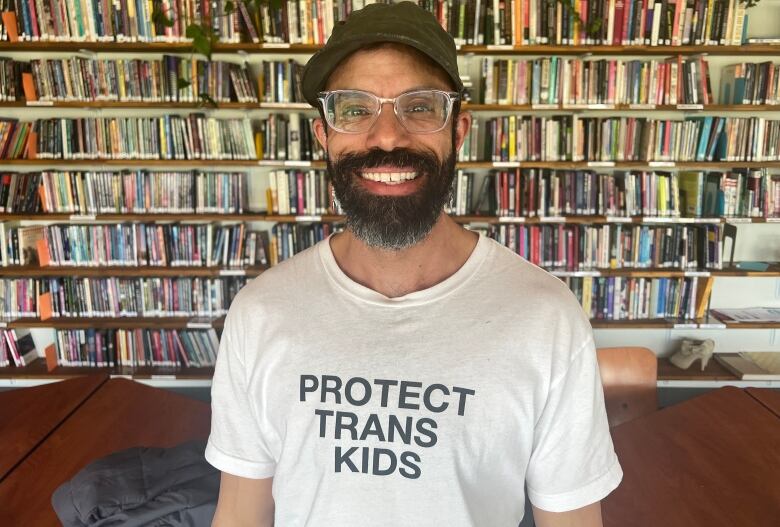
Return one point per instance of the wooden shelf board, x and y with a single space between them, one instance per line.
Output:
753 49
631 324
751 325
186 47
171 105
126 271
472 107
561 165
193 271
772 271
37 370
335 218
713 372
111 323
173 216
182 323
596 165
659 108
133 162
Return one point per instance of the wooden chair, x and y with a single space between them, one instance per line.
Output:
628 375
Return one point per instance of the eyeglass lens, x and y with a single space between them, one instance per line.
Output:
418 112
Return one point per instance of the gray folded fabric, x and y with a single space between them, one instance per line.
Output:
142 486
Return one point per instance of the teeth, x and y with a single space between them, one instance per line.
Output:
391 178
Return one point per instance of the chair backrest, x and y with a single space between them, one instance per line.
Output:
629 376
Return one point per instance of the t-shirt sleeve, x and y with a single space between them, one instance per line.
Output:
573 462
236 443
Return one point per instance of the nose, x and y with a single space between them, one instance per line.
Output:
387 133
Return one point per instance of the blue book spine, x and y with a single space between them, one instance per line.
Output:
704 138
720 143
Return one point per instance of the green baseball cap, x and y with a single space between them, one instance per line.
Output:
403 23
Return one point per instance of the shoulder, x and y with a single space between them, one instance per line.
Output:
525 282
288 283
531 297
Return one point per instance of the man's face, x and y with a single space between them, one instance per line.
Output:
391 215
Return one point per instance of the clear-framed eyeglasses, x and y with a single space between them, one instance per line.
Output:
418 111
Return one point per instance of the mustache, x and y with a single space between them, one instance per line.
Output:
356 161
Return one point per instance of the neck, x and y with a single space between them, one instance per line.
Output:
397 273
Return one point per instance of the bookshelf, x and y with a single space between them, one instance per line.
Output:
758 234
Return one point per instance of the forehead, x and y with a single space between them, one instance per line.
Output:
386 70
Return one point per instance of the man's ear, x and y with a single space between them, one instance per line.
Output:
321 133
462 127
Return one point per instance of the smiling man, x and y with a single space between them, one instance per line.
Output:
406 371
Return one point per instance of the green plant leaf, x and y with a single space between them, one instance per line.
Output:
159 17
203 39
594 27
229 8
194 31
182 84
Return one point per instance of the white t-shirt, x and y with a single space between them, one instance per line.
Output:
434 408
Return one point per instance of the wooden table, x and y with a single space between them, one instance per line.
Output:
768 398
710 461
28 416
116 415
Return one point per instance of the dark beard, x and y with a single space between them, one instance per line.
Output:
392 222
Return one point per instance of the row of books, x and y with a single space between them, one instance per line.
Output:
131 21
516 192
567 247
136 347
608 22
288 239
300 192
121 192
118 297
280 81
608 298
574 138
574 81
288 136
9 77
488 22
750 83
521 22
547 80
470 150
17 348
134 245
624 298
549 193
588 247
739 193
194 136
169 79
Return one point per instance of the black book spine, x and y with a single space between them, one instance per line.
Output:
552 35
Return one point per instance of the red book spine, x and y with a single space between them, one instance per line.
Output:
617 32
704 72
625 40
505 193
667 137
301 193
